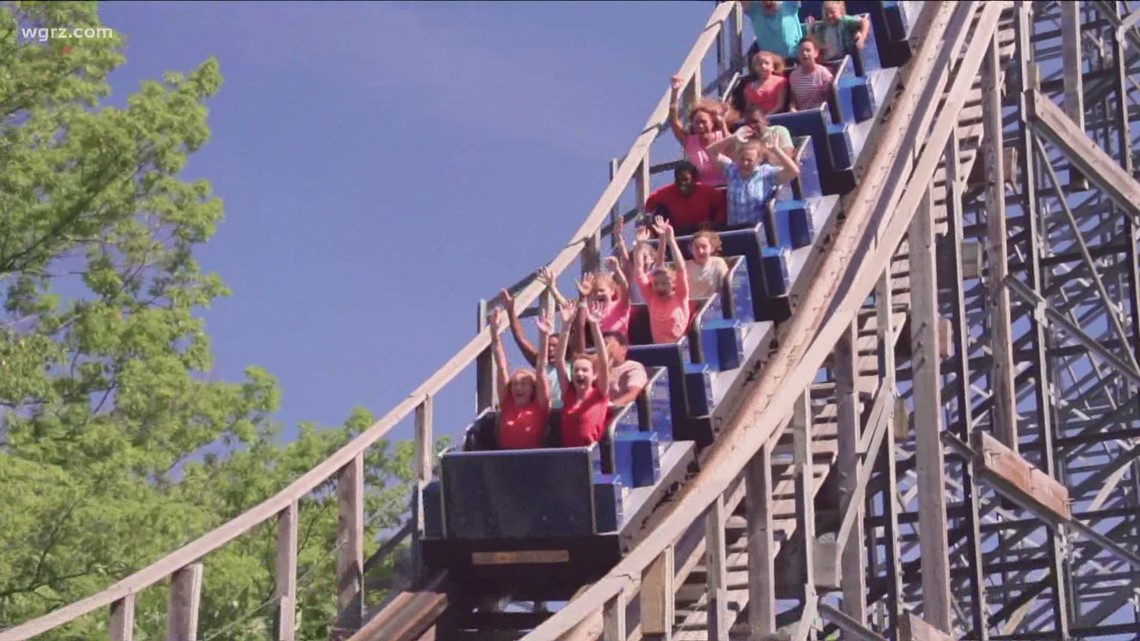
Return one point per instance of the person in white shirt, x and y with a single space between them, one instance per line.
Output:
707 270
627 378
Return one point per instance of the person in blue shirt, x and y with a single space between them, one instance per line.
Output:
777 26
752 182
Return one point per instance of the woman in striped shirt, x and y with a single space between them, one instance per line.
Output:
810 81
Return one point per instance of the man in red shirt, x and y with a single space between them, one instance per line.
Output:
687 204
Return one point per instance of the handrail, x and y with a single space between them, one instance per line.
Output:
797 359
311 480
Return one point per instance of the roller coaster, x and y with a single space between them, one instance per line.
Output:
910 413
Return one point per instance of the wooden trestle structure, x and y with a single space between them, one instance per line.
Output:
964 366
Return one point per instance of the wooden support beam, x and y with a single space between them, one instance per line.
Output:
484 366
350 544
1050 122
424 442
657 597
285 574
717 564
912 628
802 456
884 315
1034 485
122 627
1004 412
613 618
928 418
853 581
185 598
1072 70
695 90
761 547
642 185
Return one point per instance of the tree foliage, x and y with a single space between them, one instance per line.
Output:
116 445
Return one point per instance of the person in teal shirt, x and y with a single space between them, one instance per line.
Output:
777 25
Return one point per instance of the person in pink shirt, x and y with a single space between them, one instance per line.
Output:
609 291
706 126
810 81
585 385
766 88
666 292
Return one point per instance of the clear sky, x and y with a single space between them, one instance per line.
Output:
384 165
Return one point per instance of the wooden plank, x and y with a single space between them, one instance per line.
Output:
657 596
928 419
717 572
805 492
761 547
1072 69
1032 484
1004 462
185 598
912 628
350 542
613 617
122 626
285 574
1004 412
424 441
852 581
484 364
1050 122
642 185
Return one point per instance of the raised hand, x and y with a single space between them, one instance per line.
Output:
567 312
613 264
585 286
545 276
745 133
595 311
545 323
676 83
661 226
497 320
508 298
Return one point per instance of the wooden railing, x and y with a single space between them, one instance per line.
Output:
183 566
893 187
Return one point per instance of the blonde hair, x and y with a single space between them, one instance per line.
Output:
713 108
777 61
711 236
524 373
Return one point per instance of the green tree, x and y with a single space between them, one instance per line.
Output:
116 446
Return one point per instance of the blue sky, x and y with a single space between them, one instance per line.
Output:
384 165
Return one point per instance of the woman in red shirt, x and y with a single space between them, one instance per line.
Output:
524 397
585 403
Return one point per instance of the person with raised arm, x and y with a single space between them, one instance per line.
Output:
706 126
776 25
527 348
585 401
752 184
839 34
524 397
666 291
